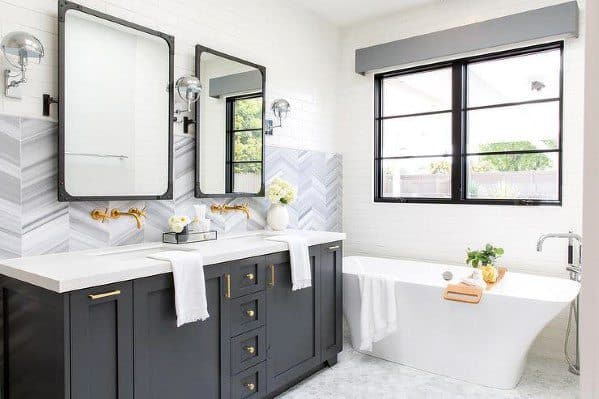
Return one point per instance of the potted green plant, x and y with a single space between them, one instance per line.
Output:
485 258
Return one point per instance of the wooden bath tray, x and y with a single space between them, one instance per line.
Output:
501 272
463 293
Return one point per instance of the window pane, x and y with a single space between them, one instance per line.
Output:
417 135
513 176
518 78
521 127
248 113
420 177
247 146
417 92
247 177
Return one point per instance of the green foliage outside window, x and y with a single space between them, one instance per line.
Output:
513 162
504 162
248 145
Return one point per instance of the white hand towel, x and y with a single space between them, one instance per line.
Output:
190 287
299 254
378 310
475 280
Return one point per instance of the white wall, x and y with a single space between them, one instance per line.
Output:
443 232
590 294
299 50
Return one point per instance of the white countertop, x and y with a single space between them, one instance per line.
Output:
82 269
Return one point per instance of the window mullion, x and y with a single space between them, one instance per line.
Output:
378 164
457 130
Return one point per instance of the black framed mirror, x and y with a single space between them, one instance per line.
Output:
229 126
115 108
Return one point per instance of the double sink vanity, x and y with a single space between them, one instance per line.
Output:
101 324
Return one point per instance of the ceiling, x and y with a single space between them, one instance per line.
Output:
347 12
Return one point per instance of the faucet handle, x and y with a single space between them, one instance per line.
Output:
97 214
139 212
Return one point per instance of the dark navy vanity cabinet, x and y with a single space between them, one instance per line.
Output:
121 340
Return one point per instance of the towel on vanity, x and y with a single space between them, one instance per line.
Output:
299 255
378 309
190 287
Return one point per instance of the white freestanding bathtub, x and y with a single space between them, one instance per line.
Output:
486 343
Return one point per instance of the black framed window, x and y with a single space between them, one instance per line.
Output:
244 142
479 130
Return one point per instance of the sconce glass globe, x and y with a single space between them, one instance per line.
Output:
19 47
280 108
189 88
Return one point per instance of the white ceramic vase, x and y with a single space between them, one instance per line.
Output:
277 217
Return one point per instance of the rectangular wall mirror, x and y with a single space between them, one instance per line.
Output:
229 128
115 108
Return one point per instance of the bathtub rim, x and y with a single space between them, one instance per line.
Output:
496 291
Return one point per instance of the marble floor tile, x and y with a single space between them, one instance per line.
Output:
359 376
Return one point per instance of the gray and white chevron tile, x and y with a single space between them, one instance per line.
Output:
10 183
33 222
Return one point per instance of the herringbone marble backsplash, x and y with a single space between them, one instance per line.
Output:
33 222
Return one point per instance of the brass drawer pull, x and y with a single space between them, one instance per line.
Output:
93 297
228 286
334 247
250 276
250 386
250 349
271 283
250 313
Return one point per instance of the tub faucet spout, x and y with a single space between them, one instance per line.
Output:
570 236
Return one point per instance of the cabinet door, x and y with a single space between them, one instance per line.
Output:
102 342
190 361
331 301
292 322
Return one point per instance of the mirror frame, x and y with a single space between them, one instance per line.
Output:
198 191
63 196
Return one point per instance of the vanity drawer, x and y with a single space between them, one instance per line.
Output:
247 350
247 313
248 276
250 384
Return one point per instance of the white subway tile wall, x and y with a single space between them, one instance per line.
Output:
299 50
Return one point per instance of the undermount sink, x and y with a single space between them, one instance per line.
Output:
257 234
125 253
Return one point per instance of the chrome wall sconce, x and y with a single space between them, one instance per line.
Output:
189 89
280 109
18 48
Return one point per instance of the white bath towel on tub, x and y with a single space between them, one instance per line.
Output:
378 310
190 287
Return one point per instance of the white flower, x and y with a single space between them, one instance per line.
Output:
281 191
176 223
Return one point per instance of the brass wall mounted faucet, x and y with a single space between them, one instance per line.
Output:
138 214
228 208
104 215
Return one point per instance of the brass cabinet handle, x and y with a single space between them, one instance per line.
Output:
228 286
250 349
271 283
250 312
334 247
250 276
250 386
93 297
